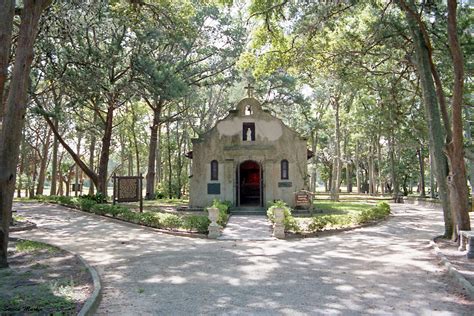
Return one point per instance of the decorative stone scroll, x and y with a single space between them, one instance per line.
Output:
128 189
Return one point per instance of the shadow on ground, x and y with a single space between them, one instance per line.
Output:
384 269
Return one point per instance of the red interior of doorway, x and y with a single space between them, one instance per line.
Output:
250 183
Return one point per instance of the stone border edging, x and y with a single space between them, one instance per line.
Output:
452 271
160 230
93 301
330 232
29 226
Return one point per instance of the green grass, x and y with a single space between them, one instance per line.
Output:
18 218
340 207
37 299
31 246
336 215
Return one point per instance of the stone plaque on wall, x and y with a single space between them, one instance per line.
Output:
213 188
285 184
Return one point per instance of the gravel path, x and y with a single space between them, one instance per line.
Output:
247 227
387 269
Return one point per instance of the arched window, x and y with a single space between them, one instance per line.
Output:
214 170
284 169
248 110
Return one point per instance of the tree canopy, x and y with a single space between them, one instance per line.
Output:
380 89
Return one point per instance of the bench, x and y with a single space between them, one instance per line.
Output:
467 235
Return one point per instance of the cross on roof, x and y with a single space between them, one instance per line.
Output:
249 89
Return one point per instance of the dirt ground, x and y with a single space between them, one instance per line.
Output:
43 279
457 258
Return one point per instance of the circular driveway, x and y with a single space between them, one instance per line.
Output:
387 269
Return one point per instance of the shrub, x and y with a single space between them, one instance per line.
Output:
223 211
149 219
320 222
171 221
101 209
375 213
200 223
86 204
290 222
98 197
129 216
66 200
116 210
48 198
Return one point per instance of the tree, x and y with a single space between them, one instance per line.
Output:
15 108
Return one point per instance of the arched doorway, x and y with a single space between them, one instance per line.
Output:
249 177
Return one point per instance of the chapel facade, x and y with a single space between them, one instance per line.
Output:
249 158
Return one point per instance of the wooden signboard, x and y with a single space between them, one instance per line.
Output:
303 199
128 189
76 187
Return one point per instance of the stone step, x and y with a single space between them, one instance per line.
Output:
248 211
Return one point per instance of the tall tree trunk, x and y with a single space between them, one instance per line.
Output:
7 11
43 164
92 154
393 173
314 144
337 158
179 166
430 102
15 109
76 173
105 153
357 165
432 176
28 175
371 170
159 165
54 166
379 159
457 177
170 167
31 187
348 163
88 171
135 142
19 179
422 171
152 152
60 191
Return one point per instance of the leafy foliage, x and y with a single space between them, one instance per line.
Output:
322 222
289 221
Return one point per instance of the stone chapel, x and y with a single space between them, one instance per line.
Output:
249 157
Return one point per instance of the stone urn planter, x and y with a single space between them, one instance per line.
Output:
279 225
214 228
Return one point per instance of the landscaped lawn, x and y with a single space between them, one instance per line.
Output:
160 205
334 215
328 207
